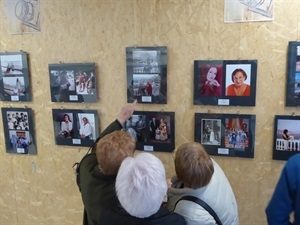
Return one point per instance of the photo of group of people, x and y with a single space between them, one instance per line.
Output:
14 77
18 131
155 130
75 127
293 74
225 82
73 82
286 136
226 134
146 74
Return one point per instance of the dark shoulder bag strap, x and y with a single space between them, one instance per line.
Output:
203 204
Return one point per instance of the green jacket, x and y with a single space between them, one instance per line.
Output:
97 189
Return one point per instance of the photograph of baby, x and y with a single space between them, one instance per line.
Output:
210 80
11 64
288 135
238 79
211 131
18 131
237 133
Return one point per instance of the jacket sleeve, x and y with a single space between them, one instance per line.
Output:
115 125
281 204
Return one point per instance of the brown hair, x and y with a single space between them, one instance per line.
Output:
193 165
236 71
112 149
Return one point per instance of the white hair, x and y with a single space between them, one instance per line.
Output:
141 185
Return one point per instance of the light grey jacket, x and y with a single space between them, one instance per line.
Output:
217 194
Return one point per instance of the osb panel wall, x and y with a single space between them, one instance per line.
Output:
41 189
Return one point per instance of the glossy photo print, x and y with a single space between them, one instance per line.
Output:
152 131
14 77
225 82
226 134
19 131
147 74
293 74
286 136
73 82
75 127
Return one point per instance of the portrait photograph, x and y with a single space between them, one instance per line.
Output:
75 127
293 74
225 82
211 132
18 131
152 131
147 74
226 134
73 82
286 136
14 77
208 81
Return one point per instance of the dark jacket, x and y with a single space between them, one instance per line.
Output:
97 189
119 216
286 197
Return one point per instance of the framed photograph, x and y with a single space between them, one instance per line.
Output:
286 136
230 135
225 82
152 131
293 74
18 131
73 82
14 77
147 74
75 127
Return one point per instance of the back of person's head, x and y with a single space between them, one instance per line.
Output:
141 185
112 149
193 165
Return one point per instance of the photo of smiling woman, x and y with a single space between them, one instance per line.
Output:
240 76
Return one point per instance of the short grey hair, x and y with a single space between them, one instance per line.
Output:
141 185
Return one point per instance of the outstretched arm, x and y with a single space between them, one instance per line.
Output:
125 114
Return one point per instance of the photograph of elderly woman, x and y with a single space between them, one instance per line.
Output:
238 78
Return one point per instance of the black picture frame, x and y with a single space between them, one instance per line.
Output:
214 82
293 74
14 77
19 131
284 147
147 74
71 132
150 136
230 135
73 82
